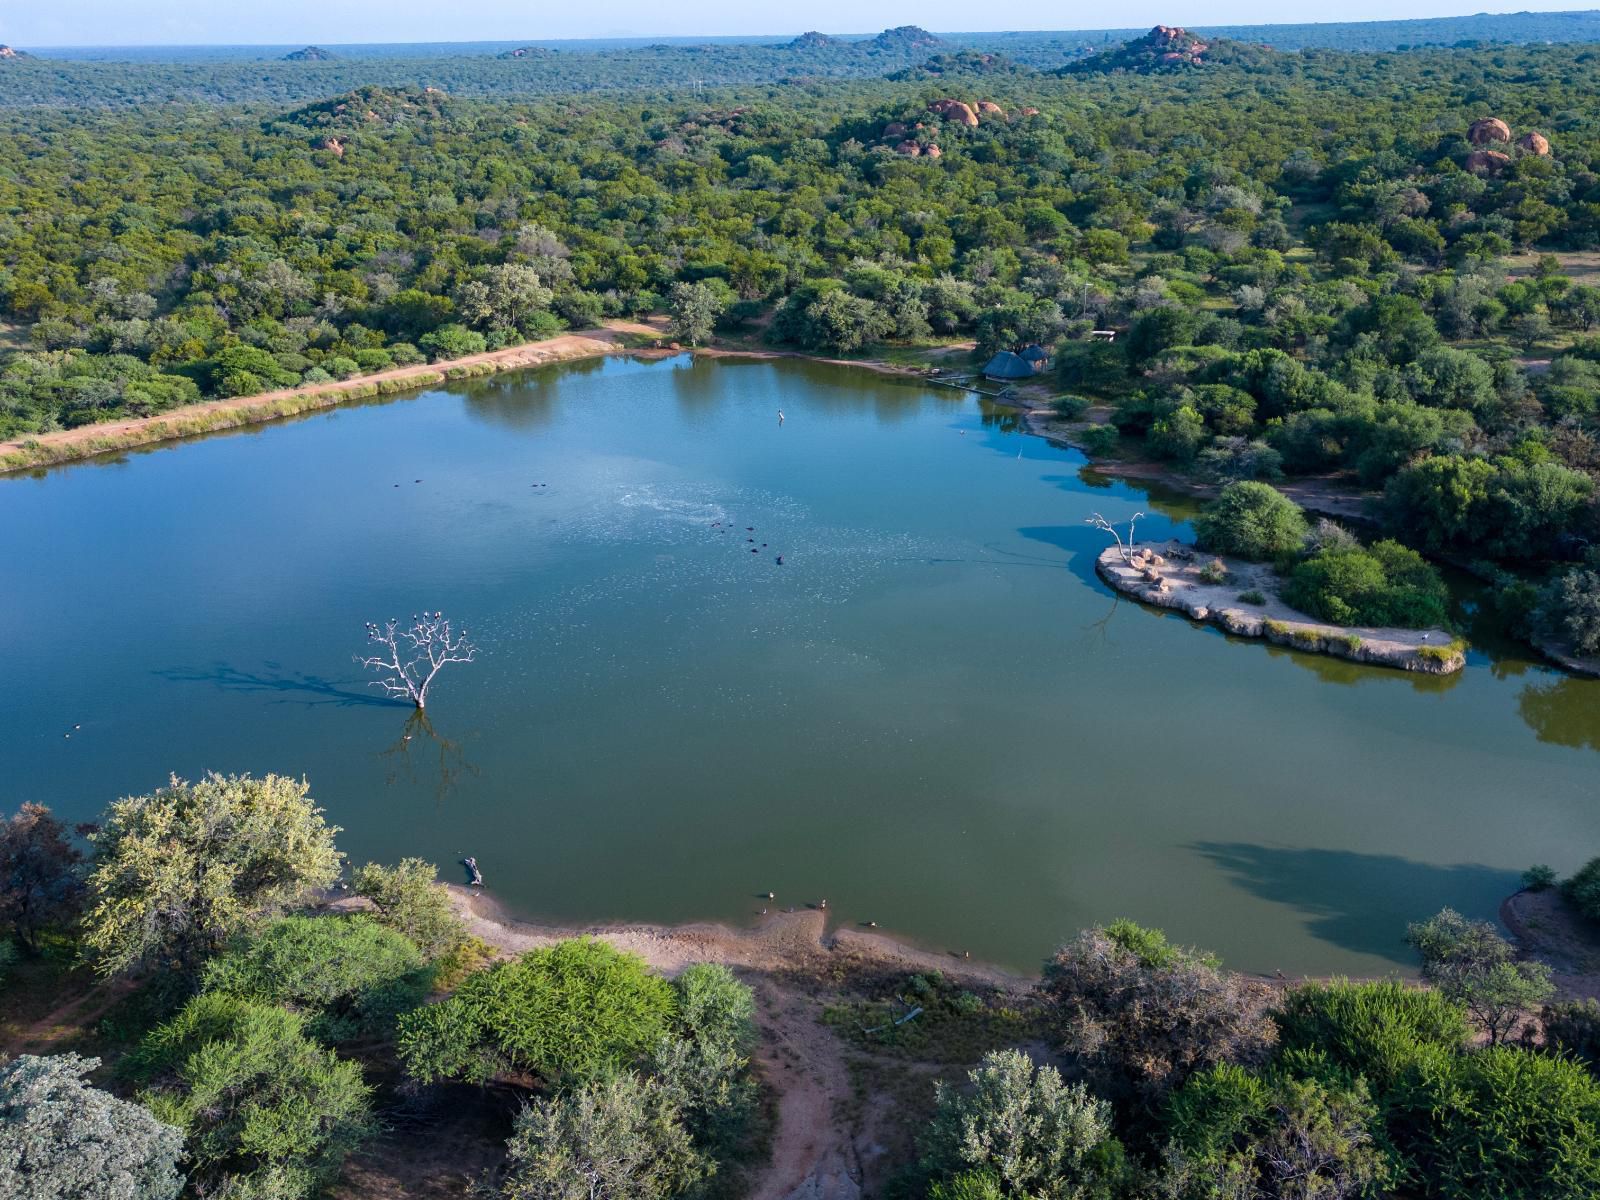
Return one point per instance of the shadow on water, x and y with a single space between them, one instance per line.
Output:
1082 544
1359 902
1564 711
321 691
419 736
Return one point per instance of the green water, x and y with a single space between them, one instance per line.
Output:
931 714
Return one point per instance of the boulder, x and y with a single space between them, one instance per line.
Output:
1534 143
1490 129
895 129
933 150
1487 162
954 110
910 149
989 108
332 145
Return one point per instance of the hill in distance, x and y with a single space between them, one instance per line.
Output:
310 54
1170 48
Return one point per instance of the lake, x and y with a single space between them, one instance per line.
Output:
932 714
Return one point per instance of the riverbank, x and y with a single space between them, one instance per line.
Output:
1170 575
88 441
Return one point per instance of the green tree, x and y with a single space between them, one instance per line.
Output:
571 1012
1251 520
1569 609
506 296
179 871
61 1139
1378 1031
1035 1134
1469 962
695 308
41 880
410 899
613 1138
270 1115
1386 584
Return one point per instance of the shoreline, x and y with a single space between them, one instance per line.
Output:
1168 576
84 442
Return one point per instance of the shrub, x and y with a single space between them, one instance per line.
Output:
704 1070
616 1137
61 1139
1539 878
1469 962
1251 520
349 975
969 1185
1098 441
1374 1030
410 900
268 1112
1572 1028
1237 1134
1569 609
1385 585
41 882
1253 596
1215 571
1035 1134
1501 1122
1583 890
1146 1015
179 871
452 341
568 1013
1070 408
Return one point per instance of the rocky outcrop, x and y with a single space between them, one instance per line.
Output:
1534 143
955 110
332 145
9 52
310 54
909 149
1207 588
1489 129
988 108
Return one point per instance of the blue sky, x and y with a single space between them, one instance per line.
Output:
278 22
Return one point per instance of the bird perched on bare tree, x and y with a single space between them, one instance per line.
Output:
410 671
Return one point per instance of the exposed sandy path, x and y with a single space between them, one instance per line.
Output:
167 425
814 1154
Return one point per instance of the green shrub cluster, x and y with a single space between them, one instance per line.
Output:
1384 584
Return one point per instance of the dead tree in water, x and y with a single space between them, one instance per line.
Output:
1124 549
410 669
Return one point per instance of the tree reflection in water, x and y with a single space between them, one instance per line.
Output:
419 736
1564 711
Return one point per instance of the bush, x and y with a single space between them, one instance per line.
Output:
1098 441
1583 890
349 975
1499 1123
1538 878
1215 572
568 1013
410 900
1469 962
1251 520
1070 408
1276 1136
268 1112
1374 1030
1035 1134
180 871
1569 609
452 341
1253 596
617 1137
704 1070
1572 1028
41 876
1385 585
1145 1015
61 1139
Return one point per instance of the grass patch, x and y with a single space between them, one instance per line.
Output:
1253 596
1442 654
954 1025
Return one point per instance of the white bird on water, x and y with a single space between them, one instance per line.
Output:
780 416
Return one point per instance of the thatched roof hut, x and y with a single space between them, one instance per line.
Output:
1035 354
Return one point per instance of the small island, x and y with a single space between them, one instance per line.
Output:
1259 569
1209 588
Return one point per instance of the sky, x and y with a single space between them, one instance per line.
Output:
27 23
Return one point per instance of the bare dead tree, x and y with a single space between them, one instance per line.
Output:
411 658
1125 549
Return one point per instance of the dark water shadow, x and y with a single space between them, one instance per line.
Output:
1563 711
1358 902
226 678
1082 545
